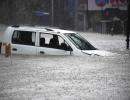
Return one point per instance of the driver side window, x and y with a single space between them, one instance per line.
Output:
52 41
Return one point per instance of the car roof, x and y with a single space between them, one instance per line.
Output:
62 31
28 28
54 30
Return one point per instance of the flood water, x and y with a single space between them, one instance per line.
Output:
25 77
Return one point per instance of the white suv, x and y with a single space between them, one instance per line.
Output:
47 41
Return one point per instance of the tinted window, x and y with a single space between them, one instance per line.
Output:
24 38
51 41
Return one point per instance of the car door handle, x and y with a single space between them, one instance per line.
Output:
14 49
42 52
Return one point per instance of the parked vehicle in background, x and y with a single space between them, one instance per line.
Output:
37 40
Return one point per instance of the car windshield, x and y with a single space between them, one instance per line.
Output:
79 41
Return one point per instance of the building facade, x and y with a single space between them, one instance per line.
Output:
84 15
98 15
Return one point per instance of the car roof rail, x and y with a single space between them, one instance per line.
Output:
49 29
15 25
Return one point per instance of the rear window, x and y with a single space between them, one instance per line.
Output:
24 38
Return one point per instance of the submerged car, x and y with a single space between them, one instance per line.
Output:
47 41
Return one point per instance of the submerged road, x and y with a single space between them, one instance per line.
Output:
69 77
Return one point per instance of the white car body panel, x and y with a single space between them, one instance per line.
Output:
98 52
23 49
51 51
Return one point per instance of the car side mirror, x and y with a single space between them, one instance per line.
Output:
65 47
68 48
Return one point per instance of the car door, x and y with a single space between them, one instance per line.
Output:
50 44
23 42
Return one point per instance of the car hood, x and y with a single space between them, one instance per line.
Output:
98 52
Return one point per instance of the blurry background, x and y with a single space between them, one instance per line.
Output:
102 16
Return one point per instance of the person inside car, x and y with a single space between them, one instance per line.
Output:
54 42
